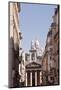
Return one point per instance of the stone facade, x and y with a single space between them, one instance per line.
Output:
55 42
51 55
33 65
22 68
14 9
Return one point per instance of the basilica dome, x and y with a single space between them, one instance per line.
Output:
37 44
32 44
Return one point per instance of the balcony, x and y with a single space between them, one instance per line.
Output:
49 33
53 25
20 35
56 35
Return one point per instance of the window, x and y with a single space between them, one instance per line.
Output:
33 56
51 78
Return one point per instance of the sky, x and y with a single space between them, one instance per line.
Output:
35 21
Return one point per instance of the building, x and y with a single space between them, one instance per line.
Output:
33 65
55 42
51 55
47 61
14 9
21 63
22 69
45 68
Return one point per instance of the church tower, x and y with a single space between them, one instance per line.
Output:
35 51
33 67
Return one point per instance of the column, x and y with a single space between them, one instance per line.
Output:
35 56
35 78
26 78
40 77
30 57
30 78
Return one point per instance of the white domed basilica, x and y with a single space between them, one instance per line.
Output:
33 64
35 45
